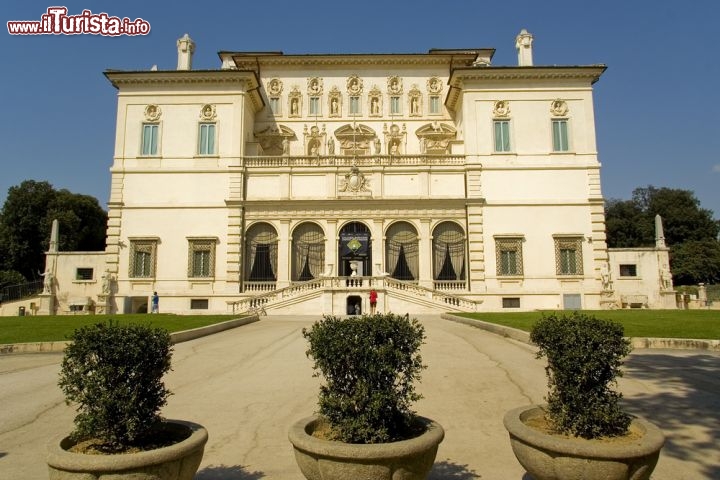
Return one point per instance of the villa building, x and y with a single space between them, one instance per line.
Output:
302 182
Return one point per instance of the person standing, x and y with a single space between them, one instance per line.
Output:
155 303
373 301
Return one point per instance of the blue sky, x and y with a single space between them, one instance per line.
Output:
657 105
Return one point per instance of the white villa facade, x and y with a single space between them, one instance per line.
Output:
301 182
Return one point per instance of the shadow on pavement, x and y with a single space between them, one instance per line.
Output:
688 407
225 472
447 470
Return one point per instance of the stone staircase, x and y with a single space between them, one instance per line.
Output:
312 289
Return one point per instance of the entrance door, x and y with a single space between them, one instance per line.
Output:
355 249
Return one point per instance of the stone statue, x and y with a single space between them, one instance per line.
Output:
47 281
106 279
665 279
334 106
294 106
375 106
415 106
286 146
394 147
331 146
605 277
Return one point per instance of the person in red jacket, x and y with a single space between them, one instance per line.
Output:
373 301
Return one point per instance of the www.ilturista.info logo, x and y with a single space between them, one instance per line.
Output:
57 22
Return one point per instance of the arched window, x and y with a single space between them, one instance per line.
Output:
401 251
448 252
261 253
308 252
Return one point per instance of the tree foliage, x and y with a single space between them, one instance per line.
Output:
369 364
584 356
113 374
26 219
690 230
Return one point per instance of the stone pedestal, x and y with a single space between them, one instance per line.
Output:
47 304
608 300
102 306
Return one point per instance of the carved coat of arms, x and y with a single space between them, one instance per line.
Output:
354 181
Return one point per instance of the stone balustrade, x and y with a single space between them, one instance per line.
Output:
349 161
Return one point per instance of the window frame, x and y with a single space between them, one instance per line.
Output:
510 243
395 105
81 274
205 143
154 144
564 267
314 106
146 247
431 100
354 105
201 245
558 146
506 145
274 104
633 269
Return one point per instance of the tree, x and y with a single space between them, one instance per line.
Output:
690 231
26 219
696 261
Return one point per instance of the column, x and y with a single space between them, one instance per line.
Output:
283 261
425 244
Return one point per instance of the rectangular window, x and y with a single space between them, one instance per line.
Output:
560 135
508 255
502 135
395 105
142 258
199 304
275 105
434 105
84 274
354 105
568 256
150 138
511 302
206 143
629 270
314 106
201 258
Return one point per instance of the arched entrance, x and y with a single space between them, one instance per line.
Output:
355 250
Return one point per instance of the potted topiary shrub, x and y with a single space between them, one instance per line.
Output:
113 373
582 432
366 427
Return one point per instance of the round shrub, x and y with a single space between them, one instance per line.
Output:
114 374
584 357
369 365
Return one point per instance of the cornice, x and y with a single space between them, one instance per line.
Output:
459 77
120 78
456 59
590 73
247 80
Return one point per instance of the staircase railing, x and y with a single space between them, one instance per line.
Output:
250 304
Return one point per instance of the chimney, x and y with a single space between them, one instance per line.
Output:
523 44
185 47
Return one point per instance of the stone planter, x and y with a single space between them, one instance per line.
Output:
176 462
555 457
328 460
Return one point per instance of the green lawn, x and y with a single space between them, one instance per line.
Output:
698 324
45 328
